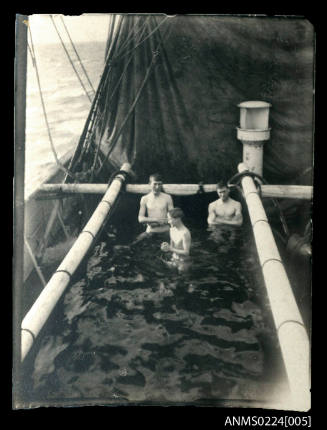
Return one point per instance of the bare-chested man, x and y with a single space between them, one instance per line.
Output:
225 210
154 208
180 241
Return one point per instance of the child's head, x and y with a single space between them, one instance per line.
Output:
176 213
174 216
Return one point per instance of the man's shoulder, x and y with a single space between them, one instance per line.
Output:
235 202
187 232
166 196
214 203
144 198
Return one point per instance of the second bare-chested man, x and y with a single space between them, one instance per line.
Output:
225 210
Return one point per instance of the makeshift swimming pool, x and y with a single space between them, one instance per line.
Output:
134 331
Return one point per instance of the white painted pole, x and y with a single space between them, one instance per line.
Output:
45 303
300 192
291 332
176 189
278 191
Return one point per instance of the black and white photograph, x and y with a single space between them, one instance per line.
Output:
163 192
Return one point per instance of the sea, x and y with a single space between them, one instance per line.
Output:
129 329
66 104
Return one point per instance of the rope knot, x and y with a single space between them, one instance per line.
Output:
201 189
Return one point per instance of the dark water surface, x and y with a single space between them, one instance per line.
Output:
132 330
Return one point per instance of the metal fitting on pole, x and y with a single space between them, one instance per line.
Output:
253 132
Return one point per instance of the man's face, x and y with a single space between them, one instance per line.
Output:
223 193
156 186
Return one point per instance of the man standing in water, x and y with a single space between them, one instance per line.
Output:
180 241
154 208
225 210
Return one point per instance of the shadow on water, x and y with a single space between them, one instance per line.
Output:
132 330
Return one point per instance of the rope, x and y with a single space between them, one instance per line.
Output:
133 32
290 321
93 119
31 54
239 176
100 117
126 176
201 189
37 268
255 177
62 224
30 332
89 124
119 57
64 271
70 60
80 61
128 115
43 108
89 232
111 31
88 132
155 53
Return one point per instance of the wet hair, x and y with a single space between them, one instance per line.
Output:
221 184
176 213
156 177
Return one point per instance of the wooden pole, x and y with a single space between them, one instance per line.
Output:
18 228
45 303
278 191
302 192
291 332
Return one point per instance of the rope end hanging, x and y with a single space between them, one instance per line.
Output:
201 189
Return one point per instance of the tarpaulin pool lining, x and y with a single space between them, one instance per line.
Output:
167 100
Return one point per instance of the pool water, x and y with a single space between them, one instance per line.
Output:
133 331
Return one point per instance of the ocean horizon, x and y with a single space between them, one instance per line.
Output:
66 104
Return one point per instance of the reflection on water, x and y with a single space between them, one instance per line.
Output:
132 330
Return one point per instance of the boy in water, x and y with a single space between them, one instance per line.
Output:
224 210
180 241
224 215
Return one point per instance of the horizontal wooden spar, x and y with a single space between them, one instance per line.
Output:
304 192
176 189
278 191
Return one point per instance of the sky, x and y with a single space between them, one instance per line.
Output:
82 28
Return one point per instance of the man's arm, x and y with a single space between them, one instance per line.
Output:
236 220
211 214
238 217
170 203
142 218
